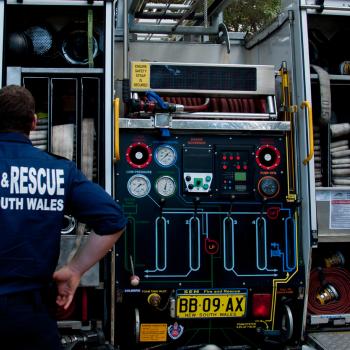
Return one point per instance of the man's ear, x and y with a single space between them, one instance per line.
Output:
34 121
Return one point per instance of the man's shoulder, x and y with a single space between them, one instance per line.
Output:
58 157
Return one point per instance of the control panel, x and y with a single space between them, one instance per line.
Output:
210 238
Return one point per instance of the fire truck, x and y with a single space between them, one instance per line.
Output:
228 153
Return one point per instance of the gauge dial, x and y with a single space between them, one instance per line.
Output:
165 155
268 186
166 186
139 186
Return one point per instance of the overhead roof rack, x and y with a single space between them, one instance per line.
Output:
198 17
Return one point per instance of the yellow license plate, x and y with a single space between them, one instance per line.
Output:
210 303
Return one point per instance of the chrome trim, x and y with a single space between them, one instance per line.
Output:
61 70
229 125
56 2
137 325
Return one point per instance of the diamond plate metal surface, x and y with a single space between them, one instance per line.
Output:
331 340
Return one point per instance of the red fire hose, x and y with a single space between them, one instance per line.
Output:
220 104
339 279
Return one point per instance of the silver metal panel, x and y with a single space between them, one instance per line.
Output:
330 7
303 92
92 277
108 95
221 125
277 24
56 2
13 75
335 3
156 6
76 70
169 29
325 319
265 76
263 47
330 340
308 97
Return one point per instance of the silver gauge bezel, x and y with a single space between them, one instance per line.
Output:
173 155
160 191
133 179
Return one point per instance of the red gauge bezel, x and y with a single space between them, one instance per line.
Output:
274 150
146 148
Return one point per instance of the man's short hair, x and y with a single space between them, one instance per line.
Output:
17 108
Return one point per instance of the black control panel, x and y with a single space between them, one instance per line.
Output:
211 241
235 170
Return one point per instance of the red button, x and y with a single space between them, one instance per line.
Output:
238 157
245 167
238 167
224 167
224 157
231 157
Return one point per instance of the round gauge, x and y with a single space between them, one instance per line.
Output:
165 155
139 186
268 186
166 186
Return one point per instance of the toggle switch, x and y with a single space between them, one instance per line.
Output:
134 279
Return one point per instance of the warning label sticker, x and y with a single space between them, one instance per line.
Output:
140 76
340 210
153 332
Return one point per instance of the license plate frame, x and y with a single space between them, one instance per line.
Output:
211 303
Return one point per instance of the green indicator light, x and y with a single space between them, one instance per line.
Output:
240 176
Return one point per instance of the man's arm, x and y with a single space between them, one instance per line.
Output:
68 277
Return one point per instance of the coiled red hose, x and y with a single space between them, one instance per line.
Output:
220 104
339 278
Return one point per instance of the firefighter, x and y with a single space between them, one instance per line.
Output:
36 189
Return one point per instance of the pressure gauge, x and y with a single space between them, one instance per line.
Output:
165 186
165 155
139 186
268 187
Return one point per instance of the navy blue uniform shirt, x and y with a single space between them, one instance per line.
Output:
36 190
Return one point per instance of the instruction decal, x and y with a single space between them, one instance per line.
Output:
339 210
140 76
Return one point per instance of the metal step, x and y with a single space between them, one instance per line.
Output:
330 340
